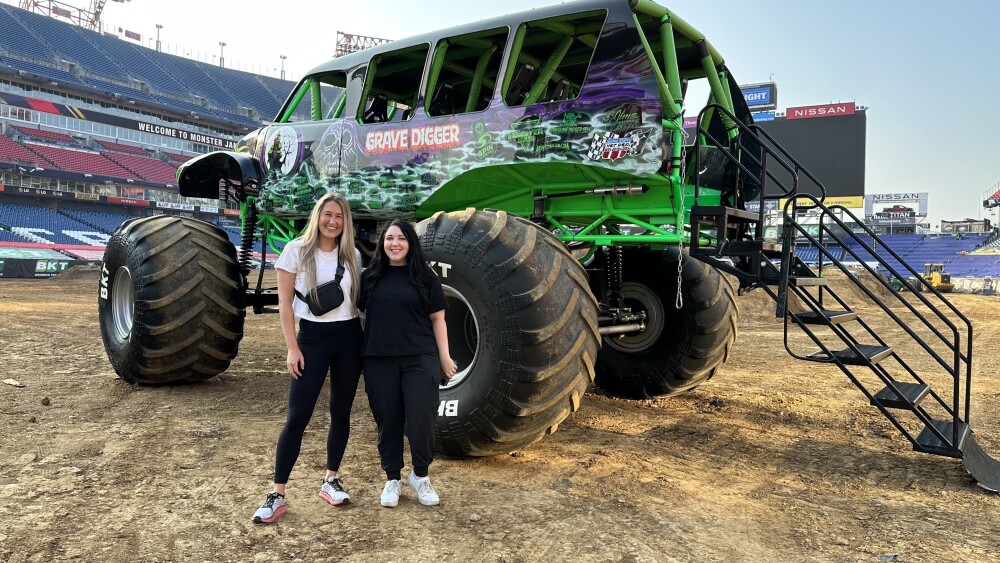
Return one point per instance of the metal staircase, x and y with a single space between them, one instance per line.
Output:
909 352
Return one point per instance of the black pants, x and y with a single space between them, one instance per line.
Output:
403 392
333 348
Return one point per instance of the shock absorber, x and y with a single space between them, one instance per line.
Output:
615 275
246 241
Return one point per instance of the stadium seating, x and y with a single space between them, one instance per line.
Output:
97 63
77 160
941 249
178 158
119 147
973 266
144 167
106 222
8 236
63 40
38 71
42 225
17 38
10 151
45 135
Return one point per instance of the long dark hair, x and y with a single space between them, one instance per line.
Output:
421 275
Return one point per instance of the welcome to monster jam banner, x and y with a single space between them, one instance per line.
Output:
98 117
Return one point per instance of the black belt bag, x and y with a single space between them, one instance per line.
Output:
330 295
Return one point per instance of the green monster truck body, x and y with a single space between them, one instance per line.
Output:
544 154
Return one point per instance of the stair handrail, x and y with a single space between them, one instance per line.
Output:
954 370
755 131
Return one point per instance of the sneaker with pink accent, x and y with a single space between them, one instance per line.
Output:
274 506
333 492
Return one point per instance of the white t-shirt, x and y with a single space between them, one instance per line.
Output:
326 270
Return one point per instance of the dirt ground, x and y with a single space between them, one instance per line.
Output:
774 459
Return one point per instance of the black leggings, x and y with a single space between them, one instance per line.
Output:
403 391
334 348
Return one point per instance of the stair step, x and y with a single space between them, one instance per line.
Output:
912 393
732 214
808 281
928 442
869 353
822 317
748 247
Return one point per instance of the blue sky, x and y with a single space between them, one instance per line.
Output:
927 73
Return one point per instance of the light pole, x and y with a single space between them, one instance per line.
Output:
283 57
158 28
222 47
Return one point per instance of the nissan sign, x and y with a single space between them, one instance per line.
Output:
827 110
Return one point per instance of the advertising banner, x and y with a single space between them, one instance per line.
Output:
128 201
850 202
754 206
38 193
895 206
762 116
108 119
826 110
177 206
15 268
760 96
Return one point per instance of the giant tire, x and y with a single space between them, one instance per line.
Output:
170 300
680 348
522 326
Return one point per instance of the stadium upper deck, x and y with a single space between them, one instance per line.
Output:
42 50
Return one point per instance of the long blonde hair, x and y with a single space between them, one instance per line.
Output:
345 245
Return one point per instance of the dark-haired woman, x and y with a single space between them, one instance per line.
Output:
405 354
327 343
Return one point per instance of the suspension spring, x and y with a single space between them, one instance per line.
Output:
246 241
615 274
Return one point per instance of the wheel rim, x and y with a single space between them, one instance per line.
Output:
639 298
122 303
463 334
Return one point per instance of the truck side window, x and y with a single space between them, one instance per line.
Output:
393 85
464 72
318 97
553 60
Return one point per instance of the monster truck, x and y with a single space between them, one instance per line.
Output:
545 158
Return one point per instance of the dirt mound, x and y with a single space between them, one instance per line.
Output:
81 272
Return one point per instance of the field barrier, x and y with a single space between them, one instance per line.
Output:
40 268
982 286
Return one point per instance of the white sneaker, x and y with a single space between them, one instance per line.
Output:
390 493
274 506
424 489
333 492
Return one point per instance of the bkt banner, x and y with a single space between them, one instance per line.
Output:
760 96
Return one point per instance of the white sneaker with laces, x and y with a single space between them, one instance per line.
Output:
333 492
390 493
425 491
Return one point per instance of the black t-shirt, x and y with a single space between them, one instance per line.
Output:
396 321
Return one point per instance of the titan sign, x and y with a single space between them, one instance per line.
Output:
898 206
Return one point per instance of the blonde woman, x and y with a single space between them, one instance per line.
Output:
327 342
